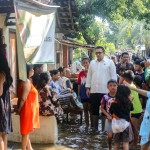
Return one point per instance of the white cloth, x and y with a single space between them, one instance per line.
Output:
99 74
76 67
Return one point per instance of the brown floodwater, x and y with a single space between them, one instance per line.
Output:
73 136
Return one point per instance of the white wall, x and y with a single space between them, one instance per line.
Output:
5 31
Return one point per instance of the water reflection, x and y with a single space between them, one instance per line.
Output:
75 137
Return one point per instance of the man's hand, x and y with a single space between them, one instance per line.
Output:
88 92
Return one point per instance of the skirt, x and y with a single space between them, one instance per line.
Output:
125 136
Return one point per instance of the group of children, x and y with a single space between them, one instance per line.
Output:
122 102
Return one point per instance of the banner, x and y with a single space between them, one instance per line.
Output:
35 27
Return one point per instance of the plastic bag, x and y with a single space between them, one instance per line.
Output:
119 125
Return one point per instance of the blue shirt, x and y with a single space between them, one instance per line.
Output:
55 86
142 76
145 126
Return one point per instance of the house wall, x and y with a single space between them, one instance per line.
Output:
58 47
5 31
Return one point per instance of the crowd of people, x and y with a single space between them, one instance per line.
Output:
116 86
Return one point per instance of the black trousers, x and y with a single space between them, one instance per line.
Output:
95 101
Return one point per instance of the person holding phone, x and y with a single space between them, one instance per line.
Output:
125 63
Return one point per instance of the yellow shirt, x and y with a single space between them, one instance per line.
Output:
136 102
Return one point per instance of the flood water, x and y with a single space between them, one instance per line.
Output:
74 136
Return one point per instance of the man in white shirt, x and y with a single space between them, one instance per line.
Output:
99 73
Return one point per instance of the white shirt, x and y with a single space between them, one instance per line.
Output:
99 73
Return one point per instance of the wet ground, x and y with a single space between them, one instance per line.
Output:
73 136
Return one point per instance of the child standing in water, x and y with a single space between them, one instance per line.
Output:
82 92
128 76
105 105
120 109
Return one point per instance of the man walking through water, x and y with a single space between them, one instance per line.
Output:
99 73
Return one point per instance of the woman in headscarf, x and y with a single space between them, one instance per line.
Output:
5 106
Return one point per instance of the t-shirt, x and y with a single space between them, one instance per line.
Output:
141 75
82 82
106 101
122 113
55 86
136 102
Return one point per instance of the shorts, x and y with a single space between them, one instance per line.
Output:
108 127
125 136
88 100
136 115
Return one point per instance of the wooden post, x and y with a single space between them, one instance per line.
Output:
90 54
65 56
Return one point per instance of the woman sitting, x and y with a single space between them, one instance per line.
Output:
65 96
49 104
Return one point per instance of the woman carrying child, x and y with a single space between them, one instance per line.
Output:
120 109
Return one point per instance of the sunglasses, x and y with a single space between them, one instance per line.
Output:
98 53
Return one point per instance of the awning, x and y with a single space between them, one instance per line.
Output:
75 44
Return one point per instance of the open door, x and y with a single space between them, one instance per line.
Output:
13 62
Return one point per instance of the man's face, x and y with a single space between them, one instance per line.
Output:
125 58
99 54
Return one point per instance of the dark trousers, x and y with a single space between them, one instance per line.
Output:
95 101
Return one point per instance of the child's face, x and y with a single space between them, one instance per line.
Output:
85 64
112 87
137 67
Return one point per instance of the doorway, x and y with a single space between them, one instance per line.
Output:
13 61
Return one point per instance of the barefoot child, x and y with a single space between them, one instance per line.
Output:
105 105
82 92
120 109
136 113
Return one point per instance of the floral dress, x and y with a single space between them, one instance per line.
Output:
49 105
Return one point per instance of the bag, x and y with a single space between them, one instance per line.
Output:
119 125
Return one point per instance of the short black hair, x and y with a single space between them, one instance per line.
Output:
138 80
61 69
86 58
122 68
138 62
54 72
112 81
100 47
37 66
124 53
128 75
